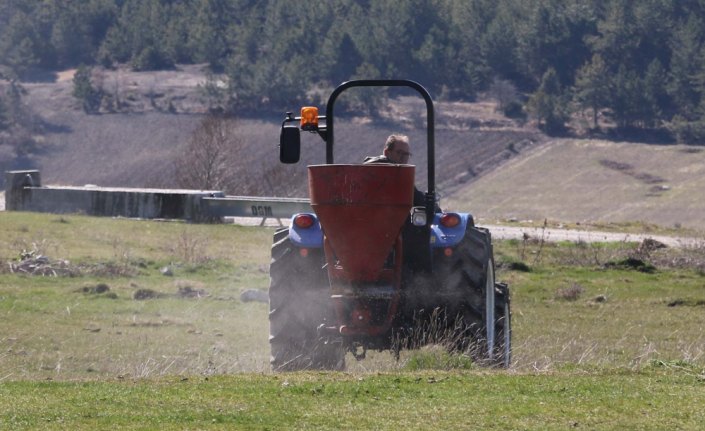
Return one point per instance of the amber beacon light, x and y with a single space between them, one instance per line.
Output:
309 118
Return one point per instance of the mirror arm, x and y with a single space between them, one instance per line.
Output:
290 118
323 133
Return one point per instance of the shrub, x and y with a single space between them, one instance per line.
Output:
688 132
435 357
151 58
83 90
570 293
514 109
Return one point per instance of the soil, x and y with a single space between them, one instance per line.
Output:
586 181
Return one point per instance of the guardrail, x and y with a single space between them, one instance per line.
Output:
248 206
24 192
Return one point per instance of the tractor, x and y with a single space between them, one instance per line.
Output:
368 270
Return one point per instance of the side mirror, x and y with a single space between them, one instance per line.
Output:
289 144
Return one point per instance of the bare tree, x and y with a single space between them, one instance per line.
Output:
211 158
283 180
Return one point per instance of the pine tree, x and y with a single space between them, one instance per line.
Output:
209 32
592 86
468 49
618 36
628 102
547 104
84 91
686 47
499 47
19 45
655 94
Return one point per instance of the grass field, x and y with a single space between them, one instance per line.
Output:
69 327
657 397
606 336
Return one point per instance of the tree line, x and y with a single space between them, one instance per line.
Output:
641 65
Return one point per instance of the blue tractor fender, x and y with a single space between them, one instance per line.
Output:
311 237
441 236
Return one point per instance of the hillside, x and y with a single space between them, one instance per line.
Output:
590 180
160 111
487 164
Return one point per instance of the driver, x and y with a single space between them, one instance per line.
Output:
396 150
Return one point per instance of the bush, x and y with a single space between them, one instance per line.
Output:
514 109
570 293
688 132
84 90
151 59
632 263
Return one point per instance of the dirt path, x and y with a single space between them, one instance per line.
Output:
552 235
555 235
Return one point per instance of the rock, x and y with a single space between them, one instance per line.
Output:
256 295
142 294
190 292
101 288
649 245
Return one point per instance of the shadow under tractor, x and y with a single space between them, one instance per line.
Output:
368 270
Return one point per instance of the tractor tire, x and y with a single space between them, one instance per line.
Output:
482 316
299 301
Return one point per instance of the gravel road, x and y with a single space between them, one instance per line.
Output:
554 235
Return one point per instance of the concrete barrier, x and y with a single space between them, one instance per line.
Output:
15 184
24 192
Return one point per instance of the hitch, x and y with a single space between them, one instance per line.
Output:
358 350
327 331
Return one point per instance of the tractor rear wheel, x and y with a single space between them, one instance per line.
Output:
299 301
483 313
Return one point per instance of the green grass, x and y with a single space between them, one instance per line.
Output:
53 327
596 346
621 317
661 396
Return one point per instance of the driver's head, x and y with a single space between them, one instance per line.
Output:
396 149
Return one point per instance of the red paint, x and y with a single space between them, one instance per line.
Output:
361 209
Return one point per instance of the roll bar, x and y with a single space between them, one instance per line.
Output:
290 141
